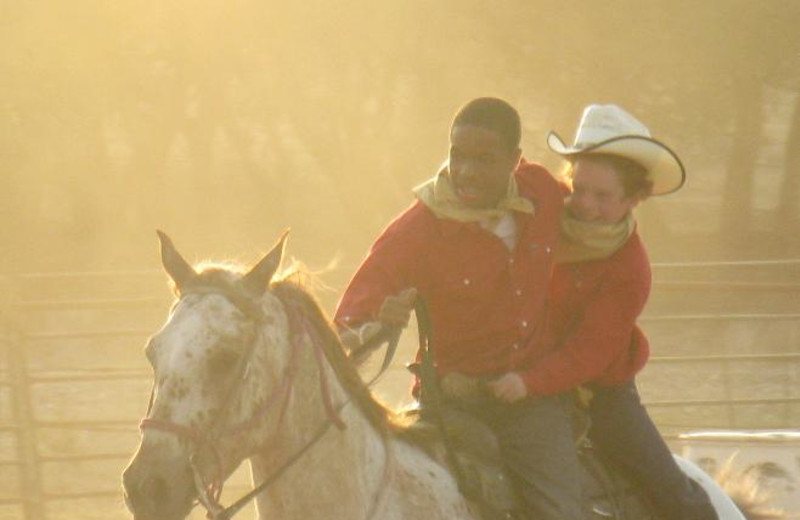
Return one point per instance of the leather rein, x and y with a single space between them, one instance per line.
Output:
209 491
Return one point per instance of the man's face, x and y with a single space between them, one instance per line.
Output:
597 193
480 165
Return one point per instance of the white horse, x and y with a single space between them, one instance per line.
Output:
245 370
249 368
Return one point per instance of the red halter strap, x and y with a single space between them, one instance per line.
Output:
178 429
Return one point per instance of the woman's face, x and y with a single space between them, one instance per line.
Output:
597 193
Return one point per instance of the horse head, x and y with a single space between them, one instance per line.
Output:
216 378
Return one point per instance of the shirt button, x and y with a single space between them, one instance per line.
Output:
510 260
467 281
346 318
518 292
515 346
548 249
524 323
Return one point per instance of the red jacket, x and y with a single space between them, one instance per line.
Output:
592 321
486 303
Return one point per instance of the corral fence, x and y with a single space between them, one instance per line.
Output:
725 340
74 383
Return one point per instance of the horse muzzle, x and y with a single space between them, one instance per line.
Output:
157 486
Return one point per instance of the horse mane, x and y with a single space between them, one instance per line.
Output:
293 292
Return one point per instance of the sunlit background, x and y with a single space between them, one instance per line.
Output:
224 123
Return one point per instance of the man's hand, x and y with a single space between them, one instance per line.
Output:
509 387
396 309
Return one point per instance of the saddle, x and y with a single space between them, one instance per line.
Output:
485 481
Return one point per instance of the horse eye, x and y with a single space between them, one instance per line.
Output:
222 361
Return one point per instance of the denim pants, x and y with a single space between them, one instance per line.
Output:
622 431
536 441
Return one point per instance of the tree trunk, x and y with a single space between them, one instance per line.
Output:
787 215
737 208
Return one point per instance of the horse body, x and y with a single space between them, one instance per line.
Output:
242 372
723 504
361 477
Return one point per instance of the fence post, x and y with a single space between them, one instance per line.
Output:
31 494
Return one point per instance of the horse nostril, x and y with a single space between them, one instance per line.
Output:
144 493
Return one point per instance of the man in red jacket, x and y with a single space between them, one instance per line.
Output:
477 244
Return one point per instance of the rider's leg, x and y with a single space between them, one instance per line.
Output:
623 432
536 440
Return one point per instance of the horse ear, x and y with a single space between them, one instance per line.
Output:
174 264
258 278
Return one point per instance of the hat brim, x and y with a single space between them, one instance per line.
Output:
664 168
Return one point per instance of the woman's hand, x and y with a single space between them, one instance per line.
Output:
508 388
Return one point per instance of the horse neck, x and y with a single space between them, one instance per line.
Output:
360 472
342 471
338 462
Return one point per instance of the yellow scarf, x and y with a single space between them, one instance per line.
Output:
590 241
440 197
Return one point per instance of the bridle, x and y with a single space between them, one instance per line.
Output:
209 491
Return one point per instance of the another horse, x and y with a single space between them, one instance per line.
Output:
247 367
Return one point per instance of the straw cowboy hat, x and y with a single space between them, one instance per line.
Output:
608 129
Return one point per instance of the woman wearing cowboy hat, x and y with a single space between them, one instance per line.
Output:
600 286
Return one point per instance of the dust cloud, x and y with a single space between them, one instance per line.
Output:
225 123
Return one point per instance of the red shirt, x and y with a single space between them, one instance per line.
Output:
592 320
486 302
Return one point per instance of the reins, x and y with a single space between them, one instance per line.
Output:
387 334
430 393
228 512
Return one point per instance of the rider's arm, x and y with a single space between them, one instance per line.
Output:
601 335
378 291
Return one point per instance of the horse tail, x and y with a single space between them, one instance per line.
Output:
745 489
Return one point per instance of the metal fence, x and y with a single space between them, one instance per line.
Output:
73 382
66 359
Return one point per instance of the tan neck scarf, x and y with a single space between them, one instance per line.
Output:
440 197
590 241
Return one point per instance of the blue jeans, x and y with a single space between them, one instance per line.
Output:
536 441
623 432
